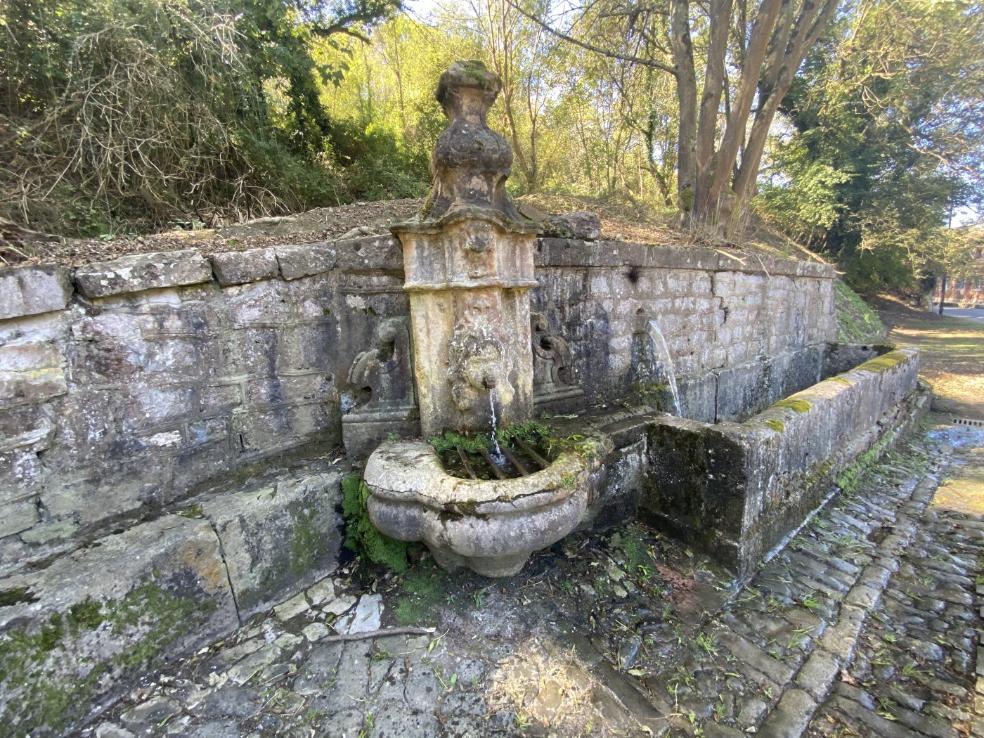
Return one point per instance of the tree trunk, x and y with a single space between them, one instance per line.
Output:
734 134
815 16
942 293
686 84
710 101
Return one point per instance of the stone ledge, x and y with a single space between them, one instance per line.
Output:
86 626
305 260
565 252
141 272
116 609
33 290
278 538
240 267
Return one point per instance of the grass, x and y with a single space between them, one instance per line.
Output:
857 322
952 354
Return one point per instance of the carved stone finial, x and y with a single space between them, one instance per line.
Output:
471 162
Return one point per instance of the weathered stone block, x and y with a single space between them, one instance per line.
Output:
308 348
32 386
88 625
305 260
33 290
140 272
138 482
258 304
581 224
17 516
274 390
26 426
240 267
372 253
23 357
278 539
281 426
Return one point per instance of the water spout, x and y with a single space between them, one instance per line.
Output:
657 335
497 456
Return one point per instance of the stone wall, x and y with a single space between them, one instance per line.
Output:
741 332
126 385
737 489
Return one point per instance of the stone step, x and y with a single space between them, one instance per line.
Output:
78 632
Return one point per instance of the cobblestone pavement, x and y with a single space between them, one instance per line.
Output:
919 662
866 623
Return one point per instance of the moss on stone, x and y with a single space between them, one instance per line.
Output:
817 475
777 425
842 380
362 537
194 512
15 596
849 479
656 394
881 363
51 697
85 615
798 405
422 590
306 543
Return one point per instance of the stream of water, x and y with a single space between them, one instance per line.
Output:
497 456
657 335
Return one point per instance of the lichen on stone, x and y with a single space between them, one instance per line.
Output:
795 404
55 680
882 363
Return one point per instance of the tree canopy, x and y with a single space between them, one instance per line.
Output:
854 126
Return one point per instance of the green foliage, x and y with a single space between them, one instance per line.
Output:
118 113
469 443
857 322
15 596
361 536
887 142
532 431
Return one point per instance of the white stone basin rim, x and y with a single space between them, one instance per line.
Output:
489 526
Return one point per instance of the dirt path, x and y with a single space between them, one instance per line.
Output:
952 355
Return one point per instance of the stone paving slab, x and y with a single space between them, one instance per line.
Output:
866 622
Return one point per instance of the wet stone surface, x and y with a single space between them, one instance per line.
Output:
865 624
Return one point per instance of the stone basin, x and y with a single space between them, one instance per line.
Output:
488 526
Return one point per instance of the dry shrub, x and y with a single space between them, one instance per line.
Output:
118 110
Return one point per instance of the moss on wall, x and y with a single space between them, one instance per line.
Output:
795 404
55 676
882 363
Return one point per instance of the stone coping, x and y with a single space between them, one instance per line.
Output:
34 290
410 472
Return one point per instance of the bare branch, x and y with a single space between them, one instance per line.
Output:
591 47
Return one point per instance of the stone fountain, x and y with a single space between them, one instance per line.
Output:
468 264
